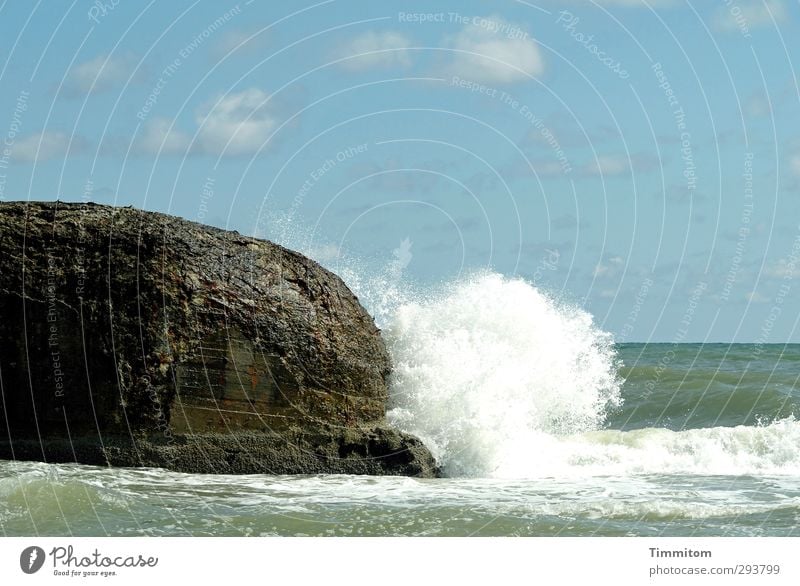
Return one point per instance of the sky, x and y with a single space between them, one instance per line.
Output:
638 158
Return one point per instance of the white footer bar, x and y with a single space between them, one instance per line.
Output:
401 561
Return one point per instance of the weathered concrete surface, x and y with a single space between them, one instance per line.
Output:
134 338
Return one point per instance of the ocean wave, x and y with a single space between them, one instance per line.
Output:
486 363
772 449
690 395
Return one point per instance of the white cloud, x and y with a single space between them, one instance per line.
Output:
614 165
623 3
547 168
610 268
756 297
158 137
608 165
373 50
493 50
758 105
745 15
44 146
100 74
237 124
782 269
794 164
238 41
638 3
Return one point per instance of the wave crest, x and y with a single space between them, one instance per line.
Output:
482 366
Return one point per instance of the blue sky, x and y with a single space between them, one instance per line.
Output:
639 158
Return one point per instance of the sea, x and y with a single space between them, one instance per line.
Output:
542 423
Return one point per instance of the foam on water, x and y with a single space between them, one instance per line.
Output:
735 451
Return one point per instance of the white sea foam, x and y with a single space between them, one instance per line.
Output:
491 362
772 450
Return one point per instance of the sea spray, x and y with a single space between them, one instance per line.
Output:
484 367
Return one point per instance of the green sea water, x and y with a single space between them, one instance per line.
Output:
703 442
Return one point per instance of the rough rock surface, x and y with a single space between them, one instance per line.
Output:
139 339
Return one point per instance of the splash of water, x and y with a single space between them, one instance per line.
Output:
482 367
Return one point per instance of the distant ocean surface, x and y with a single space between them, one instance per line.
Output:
544 427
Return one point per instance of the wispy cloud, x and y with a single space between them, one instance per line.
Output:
160 136
637 3
101 74
46 145
234 125
494 51
238 42
607 165
756 297
539 166
794 164
238 124
544 167
393 176
746 15
613 165
758 104
781 269
609 268
375 50
622 3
